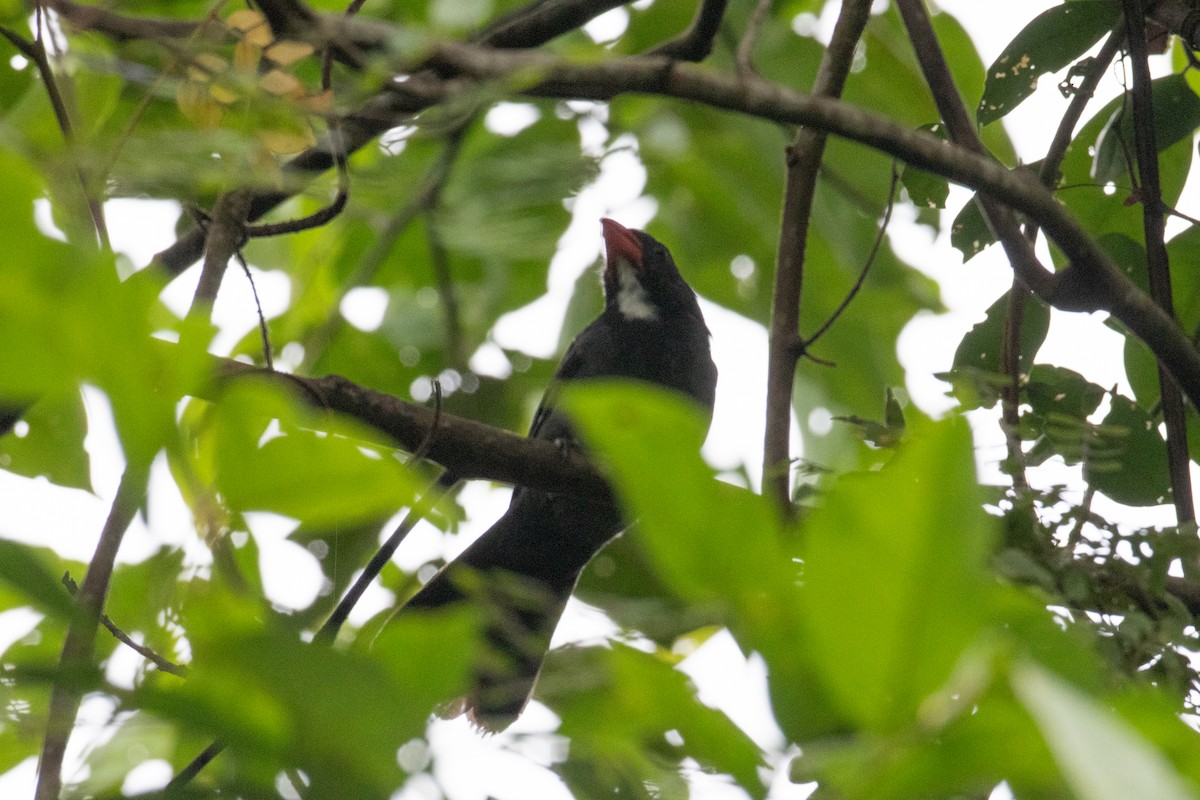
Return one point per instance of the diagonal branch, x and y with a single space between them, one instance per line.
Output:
469 449
80 644
803 166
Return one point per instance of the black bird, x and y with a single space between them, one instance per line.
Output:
521 572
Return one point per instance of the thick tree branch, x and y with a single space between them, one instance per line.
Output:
1157 264
469 449
803 166
1092 282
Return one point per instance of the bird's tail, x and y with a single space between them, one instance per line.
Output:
519 615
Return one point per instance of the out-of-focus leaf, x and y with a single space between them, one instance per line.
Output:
710 542
1053 39
56 327
1176 116
338 716
292 469
27 570
1101 756
898 558
49 441
1127 458
619 707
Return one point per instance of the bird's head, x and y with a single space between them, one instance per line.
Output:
641 281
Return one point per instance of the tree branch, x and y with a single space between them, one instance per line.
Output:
226 234
696 42
527 27
1157 264
803 166
79 646
1092 282
469 449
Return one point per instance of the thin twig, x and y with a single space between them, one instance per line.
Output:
164 664
866 268
440 261
803 166
324 215
264 334
36 52
1157 261
744 60
329 631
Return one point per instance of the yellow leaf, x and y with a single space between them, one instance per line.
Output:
206 66
245 19
246 55
318 103
281 84
223 94
195 104
286 142
252 25
286 52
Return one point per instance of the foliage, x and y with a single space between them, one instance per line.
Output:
922 634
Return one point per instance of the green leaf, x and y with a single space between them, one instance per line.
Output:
970 233
1176 117
1127 458
49 441
1101 756
924 188
1053 39
619 706
1092 201
894 576
338 716
1061 401
711 543
318 470
28 570
976 372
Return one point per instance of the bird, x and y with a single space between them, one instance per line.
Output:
522 570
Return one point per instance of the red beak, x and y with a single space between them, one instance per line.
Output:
621 243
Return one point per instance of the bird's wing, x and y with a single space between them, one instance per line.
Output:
592 354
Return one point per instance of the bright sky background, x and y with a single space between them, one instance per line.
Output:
71 520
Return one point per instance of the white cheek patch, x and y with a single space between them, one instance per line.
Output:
632 300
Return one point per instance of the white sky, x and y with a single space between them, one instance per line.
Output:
508 761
